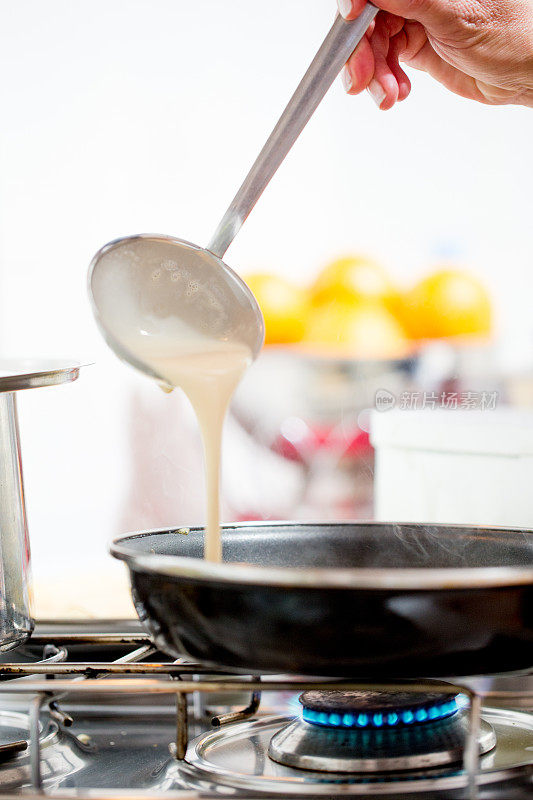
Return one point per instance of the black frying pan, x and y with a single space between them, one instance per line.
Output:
358 600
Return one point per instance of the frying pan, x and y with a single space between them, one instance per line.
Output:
358 600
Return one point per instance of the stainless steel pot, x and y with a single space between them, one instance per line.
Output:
16 622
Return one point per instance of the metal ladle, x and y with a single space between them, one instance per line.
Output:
138 282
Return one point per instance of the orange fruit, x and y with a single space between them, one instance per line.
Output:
353 278
357 330
284 306
450 302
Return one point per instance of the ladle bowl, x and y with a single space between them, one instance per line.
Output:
147 286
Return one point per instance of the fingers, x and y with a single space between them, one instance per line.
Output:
400 34
350 9
383 87
392 42
428 12
374 64
415 40
397 46
359 70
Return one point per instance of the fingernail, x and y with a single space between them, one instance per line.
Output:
345 7
346 79
376 92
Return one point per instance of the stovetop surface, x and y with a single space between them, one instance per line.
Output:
126 750
124 744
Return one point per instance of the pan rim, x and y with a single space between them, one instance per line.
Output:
369 578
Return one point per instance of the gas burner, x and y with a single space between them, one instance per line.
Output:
58 757
15 733
236 758
375 709
376 731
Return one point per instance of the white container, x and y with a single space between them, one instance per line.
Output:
454 466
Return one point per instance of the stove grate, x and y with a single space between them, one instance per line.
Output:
48 682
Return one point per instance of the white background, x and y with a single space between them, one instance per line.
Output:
120 117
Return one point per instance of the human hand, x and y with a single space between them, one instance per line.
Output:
479 49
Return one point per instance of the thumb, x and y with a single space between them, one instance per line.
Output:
428 12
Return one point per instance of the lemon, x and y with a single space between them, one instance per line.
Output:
357 330
353 278
450 302
284 306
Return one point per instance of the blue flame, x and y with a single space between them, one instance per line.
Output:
391 719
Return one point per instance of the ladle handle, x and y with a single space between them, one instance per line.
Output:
335 51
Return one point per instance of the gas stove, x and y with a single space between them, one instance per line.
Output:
126 722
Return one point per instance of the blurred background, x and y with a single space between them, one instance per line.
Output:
145 116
